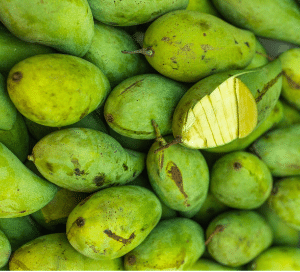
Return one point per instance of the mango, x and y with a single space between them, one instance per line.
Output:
290 115
208 265
280 150
241 180
146 97
183 238
237 237
195 45
285 201
54 252
106 53
255 16
22 192
5 249
130 12
204 6
110 223
67 26
277 258
63 88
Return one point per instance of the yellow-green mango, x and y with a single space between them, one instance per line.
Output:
53 252
22 192
132 12
280 150
144 97
260 57
173 244
204 6
5 249
274 19
277 258
284 235
67 26
237 237
195 45
85 160
56 89
20 230
285 201
290 60
241 180
8 111
14 50
110 223
290 115
208 265
106 53
17 138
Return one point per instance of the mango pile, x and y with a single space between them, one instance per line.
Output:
149 135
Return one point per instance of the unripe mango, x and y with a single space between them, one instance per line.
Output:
56 89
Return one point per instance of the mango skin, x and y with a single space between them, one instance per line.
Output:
143 97
110 223
106 53
63 88
183 238
241 180
67 26
208 265
260 57
54 252
5 249
246 235
290 115
85 160
23 192
285 201
204 6
132 12
195 45
277 258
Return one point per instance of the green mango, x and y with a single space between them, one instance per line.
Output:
146 97
172 245
85 160
105 53
290 115
195 45
226 106
14 50
67 26
8 111
284 235
20 230
237 237
92 120
270 122
130 12
110 223
280 150
54 252
285 201
275 19
290 60
22 192
260 57
17 138
277 258
178 175
208 265
241 180
204 6
63 88
5 249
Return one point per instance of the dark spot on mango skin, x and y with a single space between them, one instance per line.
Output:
118 238
99 179
125 167
22 211
49 166
78 172
80 222
237 165
17 76
84 113
131 259
109 118
137 83
247 44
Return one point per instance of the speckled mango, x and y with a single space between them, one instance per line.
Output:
143 98
188 45
5 249
237 237
132 12
173 244
22 192
279 149
53 252
285 201
85 160
110 223
56 89
67 26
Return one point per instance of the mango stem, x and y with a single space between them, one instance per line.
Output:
30 158
177 140
219 228
159 137
145 51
